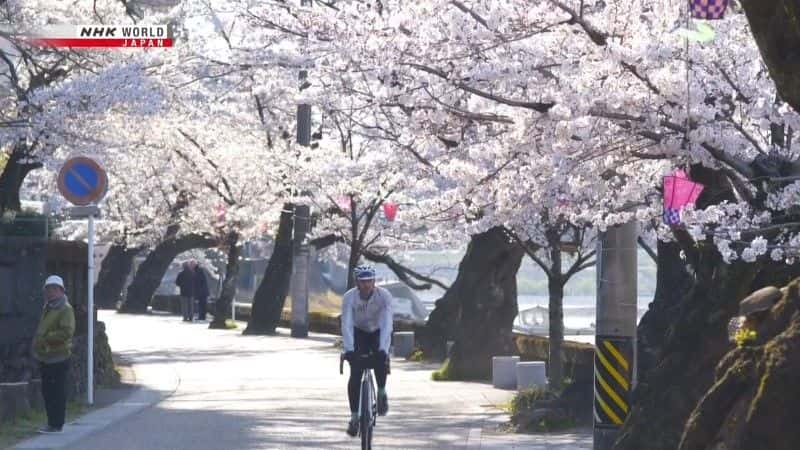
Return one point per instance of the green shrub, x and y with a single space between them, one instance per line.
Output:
526 399
522 410
417 355
550 424
444 373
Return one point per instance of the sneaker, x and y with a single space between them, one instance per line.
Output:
47 429
383 404
352 428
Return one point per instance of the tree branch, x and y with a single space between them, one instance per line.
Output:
471 12
739 95
598 37
737 164
404 273
647 248
528 246
324 241
580 264
536 106
633 70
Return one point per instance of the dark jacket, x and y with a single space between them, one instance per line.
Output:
200 283
192 283
185 282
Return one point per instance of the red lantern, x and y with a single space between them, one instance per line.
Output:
679 191
390 210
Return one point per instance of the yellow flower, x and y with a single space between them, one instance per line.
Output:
745 336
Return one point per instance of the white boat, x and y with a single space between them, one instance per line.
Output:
536 321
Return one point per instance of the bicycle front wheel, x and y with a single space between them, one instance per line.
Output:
366 416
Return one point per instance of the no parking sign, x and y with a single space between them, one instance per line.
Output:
82 181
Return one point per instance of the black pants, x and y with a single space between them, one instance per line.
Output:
201 308
54 391
365 343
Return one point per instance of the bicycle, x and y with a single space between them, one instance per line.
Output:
367 401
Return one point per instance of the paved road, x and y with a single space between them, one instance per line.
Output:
216 389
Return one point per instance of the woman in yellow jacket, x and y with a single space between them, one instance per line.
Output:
52 347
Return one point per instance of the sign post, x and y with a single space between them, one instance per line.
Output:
83 183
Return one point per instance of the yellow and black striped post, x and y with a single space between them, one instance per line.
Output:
615 342
613 379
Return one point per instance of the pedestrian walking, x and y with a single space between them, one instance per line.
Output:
186 284
200 291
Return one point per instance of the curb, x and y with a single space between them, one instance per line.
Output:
154 385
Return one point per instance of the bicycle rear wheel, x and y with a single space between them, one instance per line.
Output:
366 416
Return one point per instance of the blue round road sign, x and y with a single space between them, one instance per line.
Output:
82 181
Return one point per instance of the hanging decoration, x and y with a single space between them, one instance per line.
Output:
679 191
708 9
221 214
390 210
703 34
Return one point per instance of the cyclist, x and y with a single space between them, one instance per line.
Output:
366 327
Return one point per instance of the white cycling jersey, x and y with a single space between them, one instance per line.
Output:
367 315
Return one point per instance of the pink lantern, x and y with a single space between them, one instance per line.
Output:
390 210
222 211
679 191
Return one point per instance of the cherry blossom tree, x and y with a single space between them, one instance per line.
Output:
506 116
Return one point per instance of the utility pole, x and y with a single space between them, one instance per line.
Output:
302 220
615 341
300 263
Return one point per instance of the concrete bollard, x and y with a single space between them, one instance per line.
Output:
504 371
13 400
531 374
403 343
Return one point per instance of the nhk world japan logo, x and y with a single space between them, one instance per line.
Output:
103 36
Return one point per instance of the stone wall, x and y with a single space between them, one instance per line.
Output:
24 265
22 268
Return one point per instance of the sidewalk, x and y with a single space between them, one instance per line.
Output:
216 389
112 406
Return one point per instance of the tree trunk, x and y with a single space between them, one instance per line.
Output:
352 263
223 305
478 310
752 403
555 290
113 272
684 334
673 282
270 296
11 180
355 250
695 339
150 273
774 27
